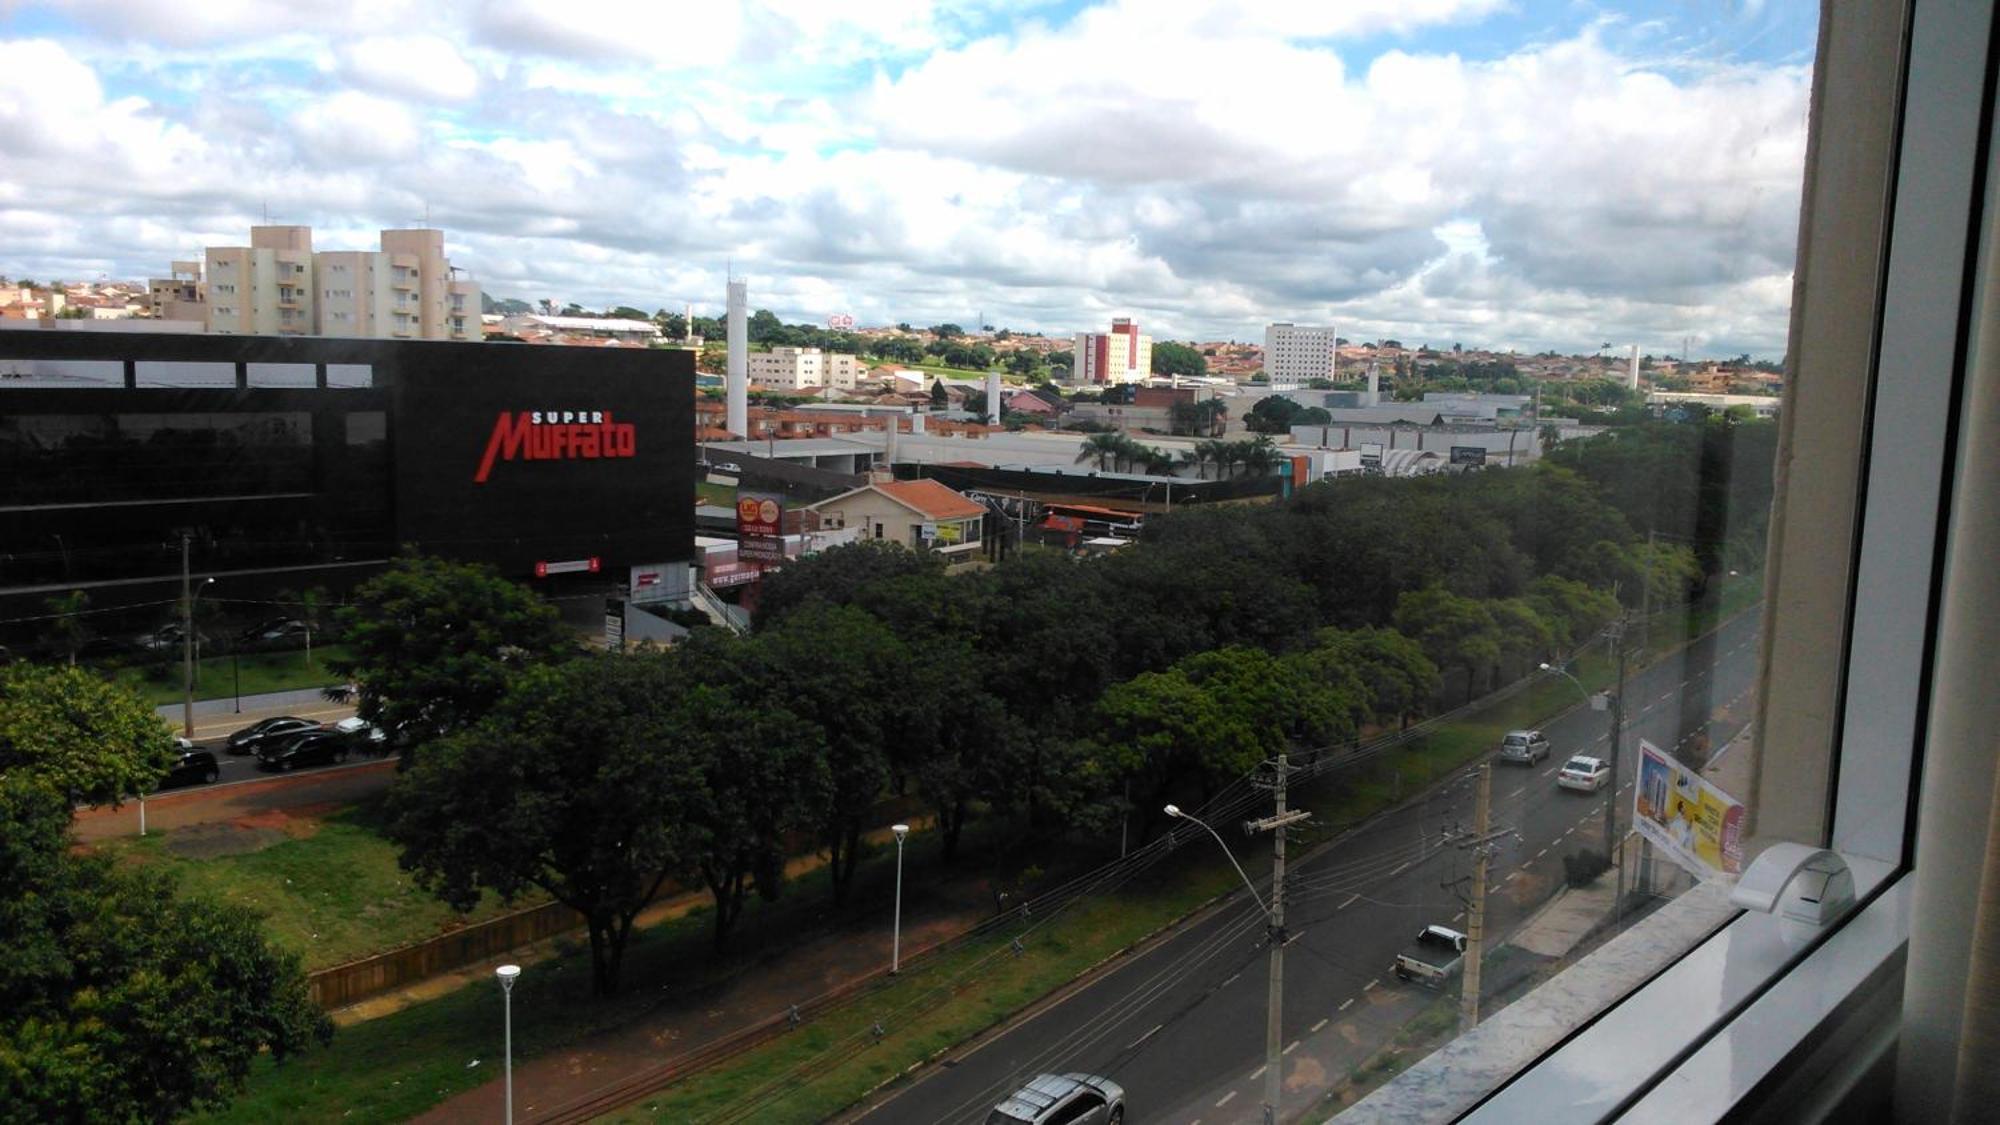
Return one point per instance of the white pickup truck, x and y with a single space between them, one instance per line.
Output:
1437 953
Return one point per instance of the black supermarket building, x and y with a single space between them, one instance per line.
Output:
299 462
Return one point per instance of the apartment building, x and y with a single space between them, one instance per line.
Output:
1296 354
278 285
1122 355
180 296
797 369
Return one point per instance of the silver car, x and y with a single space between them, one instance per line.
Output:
1063 1099
1524 746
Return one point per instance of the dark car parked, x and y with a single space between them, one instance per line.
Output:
253 738
195 767
316 747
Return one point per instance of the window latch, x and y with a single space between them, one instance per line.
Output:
1820 886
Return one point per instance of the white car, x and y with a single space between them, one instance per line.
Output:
1063 1099
1585 774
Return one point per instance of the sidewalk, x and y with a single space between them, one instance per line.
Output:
545 1084
214 718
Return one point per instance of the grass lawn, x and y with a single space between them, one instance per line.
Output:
221 677
332 895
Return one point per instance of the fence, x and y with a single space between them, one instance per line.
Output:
355 981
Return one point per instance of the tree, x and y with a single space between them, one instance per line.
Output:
80 735
1170 358
1103 448
1022 362
432 645
1397 678
764 327
940 398
1455 632
583 783
120 998
839 576
70 632
1277 414
947 331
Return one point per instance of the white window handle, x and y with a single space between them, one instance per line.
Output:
1821 886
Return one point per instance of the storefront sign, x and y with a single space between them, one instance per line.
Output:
556 435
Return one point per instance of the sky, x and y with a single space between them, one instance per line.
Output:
1526 174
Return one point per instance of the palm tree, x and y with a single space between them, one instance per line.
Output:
1259 456
68 625
1103 447
1198 458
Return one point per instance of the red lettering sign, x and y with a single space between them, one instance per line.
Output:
538 436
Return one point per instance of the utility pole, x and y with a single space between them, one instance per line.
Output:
187 640
1611 783
1274 1036
1475 917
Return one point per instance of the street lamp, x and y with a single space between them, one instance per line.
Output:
902 832
1175 811
507 973
1274 919
187 647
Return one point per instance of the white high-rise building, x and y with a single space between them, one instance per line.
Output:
1296 354
1122 355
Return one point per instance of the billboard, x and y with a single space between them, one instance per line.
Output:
760 526
1371 454
1468 455
1696 824
522 455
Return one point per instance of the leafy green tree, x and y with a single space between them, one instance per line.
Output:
579 783
940 398
433 644
1398 680
1455 632
764 327
75 732
843 696
67 626
120 998
947 331
1021 361
839 576
1277 414
1170 358
1574 610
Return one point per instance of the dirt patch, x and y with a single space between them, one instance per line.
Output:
297 822
210 841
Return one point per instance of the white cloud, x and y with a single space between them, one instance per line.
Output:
426 67
1205 166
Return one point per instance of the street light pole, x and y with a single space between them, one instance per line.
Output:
902 832
507 973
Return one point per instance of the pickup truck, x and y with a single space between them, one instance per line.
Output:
1437 953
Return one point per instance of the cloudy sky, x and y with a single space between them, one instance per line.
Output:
1513 173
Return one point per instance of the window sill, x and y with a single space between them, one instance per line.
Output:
1700 1003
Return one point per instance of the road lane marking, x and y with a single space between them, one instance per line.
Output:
1550 770
1314 1029
1349 902
1541 853
1400 868
1259 1072
1295 937
1226 1099
1458 916
1520 869
1344 1004
1495 888
1371 984
1231 980
1290 1049
1143 1038
1566 833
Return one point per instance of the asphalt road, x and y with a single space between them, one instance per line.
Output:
1181 1026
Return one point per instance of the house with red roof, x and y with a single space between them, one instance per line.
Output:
921 514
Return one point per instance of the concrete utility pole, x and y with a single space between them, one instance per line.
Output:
1274 1035
1475 917
187 641
1611 783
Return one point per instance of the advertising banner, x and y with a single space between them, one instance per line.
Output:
760 521
1697 825
950 533
1371 454
1468 455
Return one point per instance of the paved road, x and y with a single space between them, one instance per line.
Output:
243 789
1182 1026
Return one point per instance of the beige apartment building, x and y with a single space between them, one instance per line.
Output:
278 285
796 369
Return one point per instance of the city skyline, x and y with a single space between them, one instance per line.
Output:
1531 176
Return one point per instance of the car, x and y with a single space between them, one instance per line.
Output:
317 747
250 738
1062 1099
167 638
194 767
1582 773
363 736
1524 746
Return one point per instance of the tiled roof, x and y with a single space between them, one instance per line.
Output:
938 501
